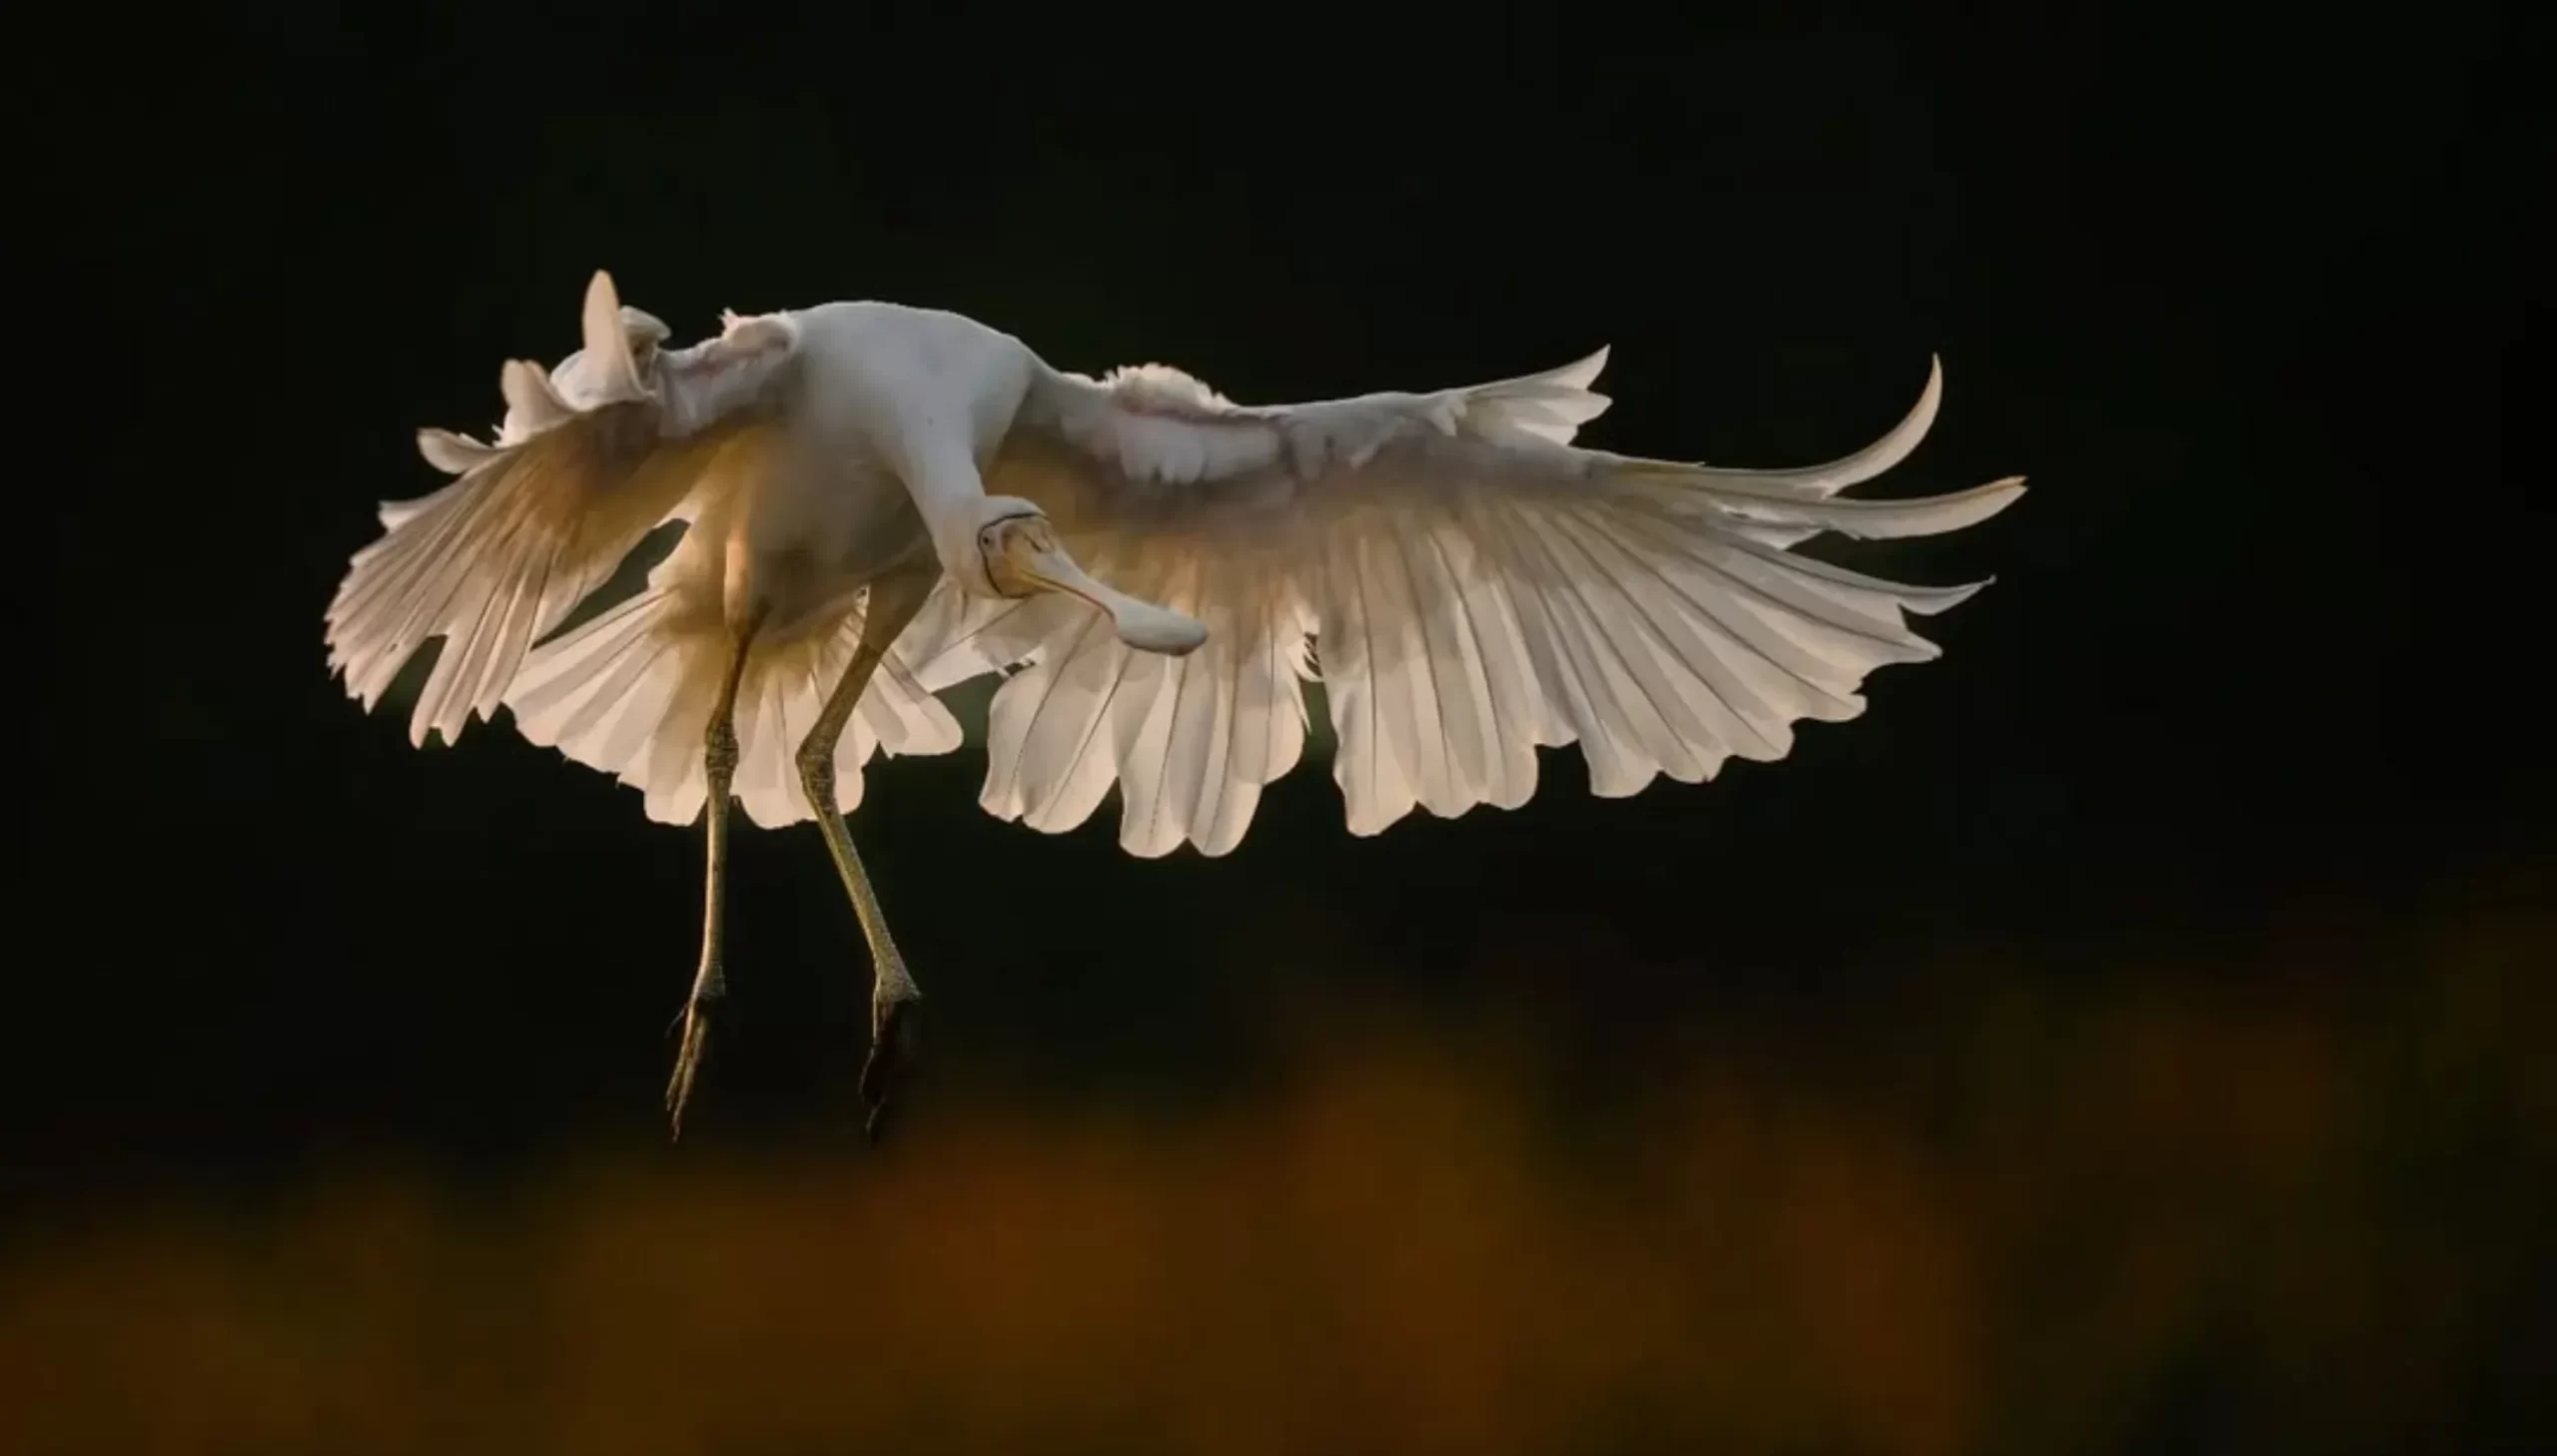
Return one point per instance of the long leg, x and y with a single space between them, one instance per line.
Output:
719 766
894 601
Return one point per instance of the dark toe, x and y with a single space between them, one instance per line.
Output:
892 1053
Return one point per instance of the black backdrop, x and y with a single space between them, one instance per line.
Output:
2244 300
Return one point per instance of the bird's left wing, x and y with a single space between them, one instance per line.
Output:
592 456
1465 582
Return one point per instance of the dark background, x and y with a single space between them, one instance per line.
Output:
2249 711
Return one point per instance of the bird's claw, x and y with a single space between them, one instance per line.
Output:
892 1054
696 1036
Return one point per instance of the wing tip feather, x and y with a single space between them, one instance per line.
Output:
1944 599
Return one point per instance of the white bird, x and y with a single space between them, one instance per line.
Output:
884 501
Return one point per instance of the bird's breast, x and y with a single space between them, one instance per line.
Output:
823 525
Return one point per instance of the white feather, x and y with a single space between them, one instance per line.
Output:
590 458
630 694
1476 588
1470 585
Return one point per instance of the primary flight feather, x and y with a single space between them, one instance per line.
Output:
881 502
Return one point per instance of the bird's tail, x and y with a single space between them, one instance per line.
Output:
631 692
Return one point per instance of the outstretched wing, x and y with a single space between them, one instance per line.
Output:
1466 583
592 456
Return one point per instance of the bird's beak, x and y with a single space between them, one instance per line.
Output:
1029 549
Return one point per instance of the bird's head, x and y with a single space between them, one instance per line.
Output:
1016 555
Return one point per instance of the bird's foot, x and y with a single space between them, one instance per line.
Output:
893 1017
696 1036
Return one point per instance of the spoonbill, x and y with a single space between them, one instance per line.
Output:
881 503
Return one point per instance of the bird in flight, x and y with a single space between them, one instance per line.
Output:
881 503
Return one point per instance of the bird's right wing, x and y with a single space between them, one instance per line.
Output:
1465 582
592 456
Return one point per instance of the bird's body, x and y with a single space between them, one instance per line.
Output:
805 509
882 501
